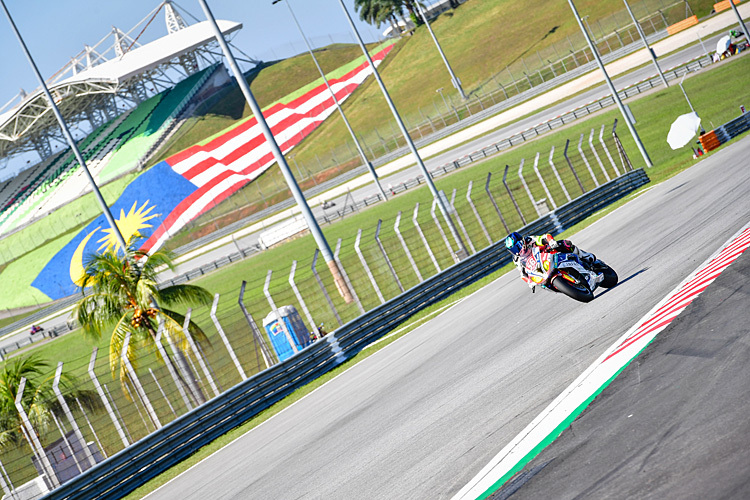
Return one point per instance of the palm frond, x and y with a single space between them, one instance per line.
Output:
185 294
173 323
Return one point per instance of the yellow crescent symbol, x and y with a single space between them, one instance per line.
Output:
76 262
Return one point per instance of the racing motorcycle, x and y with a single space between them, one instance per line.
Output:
566 273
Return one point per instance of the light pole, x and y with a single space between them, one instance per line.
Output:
440 91
645 42
703 131
428 178
67 134
312 224
362 155
612 88
454 79
739 19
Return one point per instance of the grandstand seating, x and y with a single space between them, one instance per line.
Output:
110 150
147 133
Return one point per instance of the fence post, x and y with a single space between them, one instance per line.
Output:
557 174
494 203
224 337
596 155
440 230
264 351
172 372
460 222
588 166
385 255
130 373
367 268
69 416
275 311
198 354
300 299
164 394
67 443
83 412
8 488
544 185
476 213
323 288
510 193
609 156
117 411
32 437
424 240
406 248
526 188
570 164
104 399
346 277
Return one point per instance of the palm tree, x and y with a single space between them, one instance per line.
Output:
38 399
125 298
376 12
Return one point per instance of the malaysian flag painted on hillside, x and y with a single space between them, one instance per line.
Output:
162 200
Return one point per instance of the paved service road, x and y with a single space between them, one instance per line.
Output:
674 424
421 417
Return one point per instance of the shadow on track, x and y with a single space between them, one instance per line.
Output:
625 280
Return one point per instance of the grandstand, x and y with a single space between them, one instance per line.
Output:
112 149
92 98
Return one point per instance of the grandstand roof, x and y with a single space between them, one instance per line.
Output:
33 115
154 54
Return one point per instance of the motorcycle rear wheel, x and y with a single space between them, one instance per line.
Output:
580 292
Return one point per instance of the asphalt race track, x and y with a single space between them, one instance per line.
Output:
421 417
674 423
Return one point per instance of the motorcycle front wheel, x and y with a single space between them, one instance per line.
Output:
577 291
610 276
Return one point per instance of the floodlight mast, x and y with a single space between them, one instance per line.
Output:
440 200
312 224
612 88
739 20
67 134
645 42
454 79
361 151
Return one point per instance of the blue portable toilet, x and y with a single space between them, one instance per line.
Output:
295 326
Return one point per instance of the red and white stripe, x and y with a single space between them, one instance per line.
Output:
239 156
685 295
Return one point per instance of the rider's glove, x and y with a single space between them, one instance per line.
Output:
551 242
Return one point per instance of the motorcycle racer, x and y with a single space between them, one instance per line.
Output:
520 247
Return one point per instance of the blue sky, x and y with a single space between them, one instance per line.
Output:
56 30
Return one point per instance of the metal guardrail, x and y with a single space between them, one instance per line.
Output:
734 128
149 457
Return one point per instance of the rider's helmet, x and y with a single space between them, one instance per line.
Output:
514 243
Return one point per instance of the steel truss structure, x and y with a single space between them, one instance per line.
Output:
89 96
